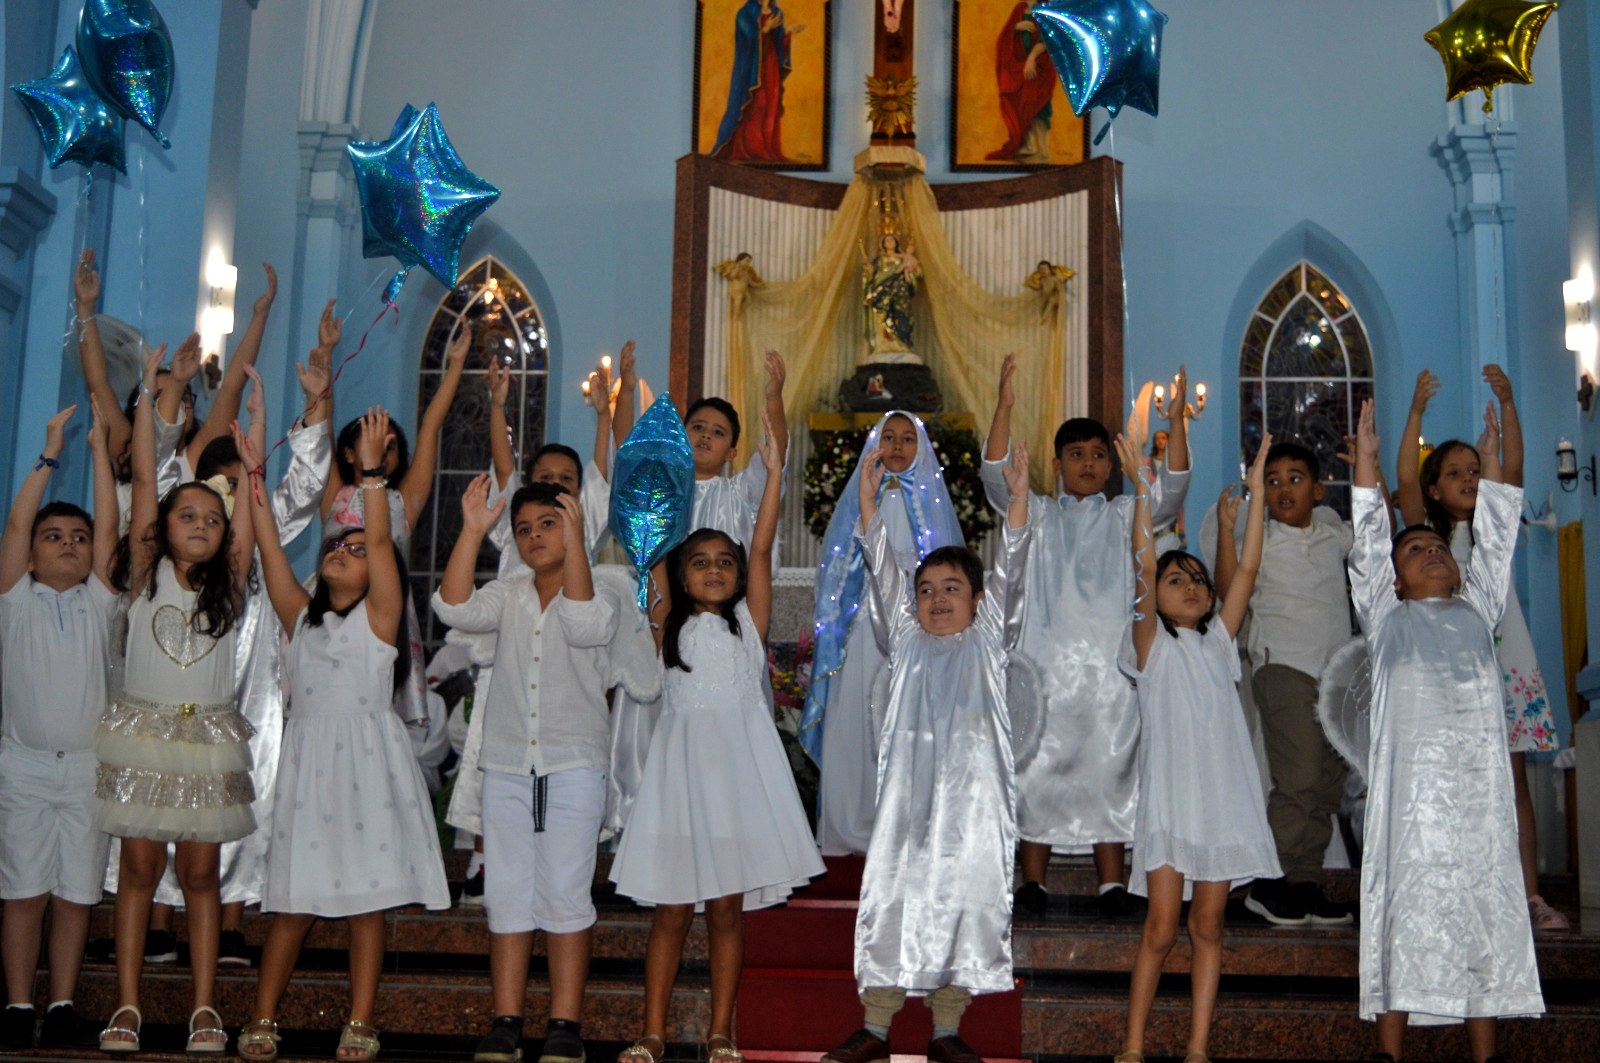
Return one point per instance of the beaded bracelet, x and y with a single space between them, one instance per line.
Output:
46 463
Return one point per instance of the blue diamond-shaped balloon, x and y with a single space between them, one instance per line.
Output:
1108 53
127 57
418 200
75 124
652 489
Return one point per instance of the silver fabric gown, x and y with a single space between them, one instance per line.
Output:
936 892
1082 786
1444 922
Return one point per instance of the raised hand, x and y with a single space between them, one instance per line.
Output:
777 372
872 472
570 510
1130 455
1498 383
314 374
771 453
152 367
1427 387
600 388
256 404
99 430
55 433
477 516
374 438
1489 445
1228 510
249 454
497 378
1178 401
264 301
186 360
1016 471
1367 444
456 354
330 328
1256 481
627 369
86 283
1008 370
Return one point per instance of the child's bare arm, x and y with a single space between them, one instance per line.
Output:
1510 425
86 292
999 442
577 580
660 600
1408 480
283 590
1227 561
775 421
758 582
1489 444
225 407
106 517
477 517
1243 581
497 378
871 480
1017 483
16 546
142 508
1178 423
244 531
1144 552
418 481
386 596
622 412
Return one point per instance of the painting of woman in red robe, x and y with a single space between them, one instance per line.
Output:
751 128
1027 80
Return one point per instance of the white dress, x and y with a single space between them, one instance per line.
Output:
1201 812
717 811
352 823
935 904
1445 933
174 758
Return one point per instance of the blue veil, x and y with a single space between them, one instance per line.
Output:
842 574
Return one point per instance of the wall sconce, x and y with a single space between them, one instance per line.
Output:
1569 472
1578 295
216 320
1191 410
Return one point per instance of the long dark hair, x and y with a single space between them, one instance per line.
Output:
350 435
321 605
1196 570
683 607
217 606
1439 518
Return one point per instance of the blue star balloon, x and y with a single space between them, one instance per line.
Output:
127 57
652 490
418 200
1108 53
75 124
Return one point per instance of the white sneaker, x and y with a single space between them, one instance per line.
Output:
1545 917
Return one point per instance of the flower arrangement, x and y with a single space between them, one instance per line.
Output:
789 666
834 455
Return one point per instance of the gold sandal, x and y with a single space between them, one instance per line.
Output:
641 1049
360 1036
725 1051
259 1033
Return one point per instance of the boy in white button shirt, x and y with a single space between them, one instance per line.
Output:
55 632
546 747
1299 615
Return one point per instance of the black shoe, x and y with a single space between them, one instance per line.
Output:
863 1046
1117 903
16 1028
562 1044
232 950
1319 910
1275 900
951 1049
472 891
503 1043
1031 899
160 946
65 1028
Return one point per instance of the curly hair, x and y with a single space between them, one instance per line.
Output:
218 607
683 607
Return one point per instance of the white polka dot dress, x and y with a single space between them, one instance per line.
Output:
352 822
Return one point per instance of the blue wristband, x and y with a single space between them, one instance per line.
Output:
46 463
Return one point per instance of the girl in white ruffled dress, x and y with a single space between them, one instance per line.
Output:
718 820
173 748
353 831
1201 827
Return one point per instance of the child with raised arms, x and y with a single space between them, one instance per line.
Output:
55 625
1202 827
1445 933
352 826
718 820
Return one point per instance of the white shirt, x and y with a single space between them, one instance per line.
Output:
56 647
546 709
1300 610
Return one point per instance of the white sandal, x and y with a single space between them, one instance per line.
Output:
111 1044
206 1048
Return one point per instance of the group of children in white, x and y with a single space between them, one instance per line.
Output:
151 696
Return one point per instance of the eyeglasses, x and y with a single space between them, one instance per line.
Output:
346 546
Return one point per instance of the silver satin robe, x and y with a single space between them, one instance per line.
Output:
936 892
1444 921
1082 787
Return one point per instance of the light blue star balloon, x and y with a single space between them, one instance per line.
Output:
652 490
75 124
418 200
1108 53
127 57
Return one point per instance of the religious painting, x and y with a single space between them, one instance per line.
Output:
761 82
1008 110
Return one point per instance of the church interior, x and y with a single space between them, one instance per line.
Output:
1299 221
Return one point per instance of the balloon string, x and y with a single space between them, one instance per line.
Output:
1122 258
144 246
80 238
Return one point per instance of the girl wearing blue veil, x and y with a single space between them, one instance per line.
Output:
851 642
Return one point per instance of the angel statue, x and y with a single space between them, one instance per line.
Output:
1049 280
741 275
888 283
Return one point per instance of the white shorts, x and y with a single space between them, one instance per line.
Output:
50 839
541 881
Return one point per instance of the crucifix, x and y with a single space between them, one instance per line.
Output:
892 85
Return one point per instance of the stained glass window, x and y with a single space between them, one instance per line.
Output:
1305 367
506 325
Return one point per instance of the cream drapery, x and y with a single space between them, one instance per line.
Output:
963 332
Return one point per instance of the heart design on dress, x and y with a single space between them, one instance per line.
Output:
178 639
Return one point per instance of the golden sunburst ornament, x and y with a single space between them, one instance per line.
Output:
891 104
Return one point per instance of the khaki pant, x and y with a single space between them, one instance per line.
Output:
947 1003
1307 775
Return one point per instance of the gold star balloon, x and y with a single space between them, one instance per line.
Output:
1487 42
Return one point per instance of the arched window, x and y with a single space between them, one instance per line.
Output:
506 325
1304 368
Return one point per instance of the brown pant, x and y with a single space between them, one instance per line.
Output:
947 1003
1307 775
